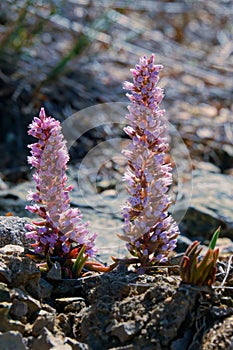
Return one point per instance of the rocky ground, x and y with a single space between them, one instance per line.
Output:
116 310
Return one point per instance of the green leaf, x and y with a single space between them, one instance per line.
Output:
214 238
79 262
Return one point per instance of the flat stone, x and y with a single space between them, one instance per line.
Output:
10 249
67 301
12 340
210 206
14 200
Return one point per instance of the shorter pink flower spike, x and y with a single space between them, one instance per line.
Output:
62 226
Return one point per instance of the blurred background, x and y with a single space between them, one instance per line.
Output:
68 55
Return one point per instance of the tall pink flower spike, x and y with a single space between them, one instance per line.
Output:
149 230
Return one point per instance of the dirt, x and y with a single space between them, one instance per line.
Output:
116 310
150 312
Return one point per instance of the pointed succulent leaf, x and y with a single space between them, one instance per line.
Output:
206 273
213 241
184 268
199 270
192 248
215 255
79 262
202 269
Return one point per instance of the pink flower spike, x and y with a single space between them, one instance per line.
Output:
51 198
149 230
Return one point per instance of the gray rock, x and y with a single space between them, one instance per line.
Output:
12 340
45 289
71 304
21 295
182 243
206 167
18 309
55 272
64 323
76 345
7 323
220 336
182 343
48 341
210 207
5 272
124 331
14 200
72 287
44 319
3 185
225 246
12 231
20 271
75 307
10 249
4 292
25 272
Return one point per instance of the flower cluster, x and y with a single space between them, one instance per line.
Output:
149 230
61 227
